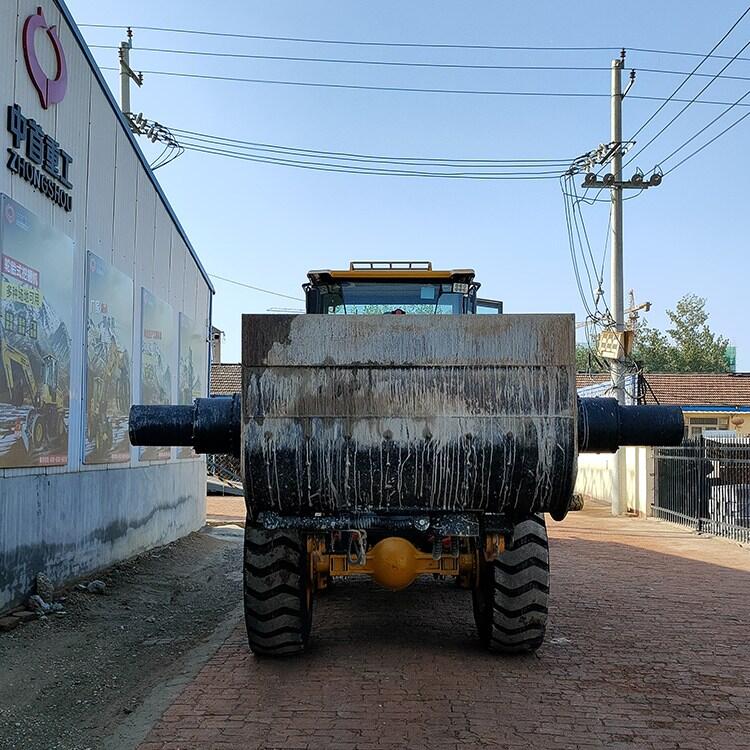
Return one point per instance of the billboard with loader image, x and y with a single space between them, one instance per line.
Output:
109 344
158 355
193 367
36 318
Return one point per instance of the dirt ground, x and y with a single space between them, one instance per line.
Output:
68 681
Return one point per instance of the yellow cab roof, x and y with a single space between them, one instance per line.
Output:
409 270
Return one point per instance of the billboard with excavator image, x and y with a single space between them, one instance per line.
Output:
193 367
109 343
36 317
158 357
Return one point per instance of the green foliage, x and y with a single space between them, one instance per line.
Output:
586 361
688 346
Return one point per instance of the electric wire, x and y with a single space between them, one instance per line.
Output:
687 78
585 263
416 45
193 135
708 143
389 63
687 106
356 43
418 90
598 295
353 169
255 288
573 254
704 128
409 64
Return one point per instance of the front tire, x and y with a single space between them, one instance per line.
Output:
510 598
277 591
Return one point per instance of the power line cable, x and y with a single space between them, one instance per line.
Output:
692 101
417 45
394 63
351 169
408 64
598 294
719 76
704 128
362 87
708 143
695 69
234 144
578 231
255 288
680 53
356 43
573 253
407 89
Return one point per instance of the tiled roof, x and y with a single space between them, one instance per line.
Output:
689 388
226 379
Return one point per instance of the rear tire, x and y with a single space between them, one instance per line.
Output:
510 599
277 591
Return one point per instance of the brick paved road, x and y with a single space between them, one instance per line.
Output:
648 648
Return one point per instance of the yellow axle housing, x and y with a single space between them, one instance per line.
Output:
394 563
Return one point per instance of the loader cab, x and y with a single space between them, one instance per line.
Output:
394 288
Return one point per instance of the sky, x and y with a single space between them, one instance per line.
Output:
267 225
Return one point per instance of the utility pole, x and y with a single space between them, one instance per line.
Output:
617 308
613 343
127 73
139 124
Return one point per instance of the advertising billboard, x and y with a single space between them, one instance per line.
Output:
36 318
193 367
109 343
157 366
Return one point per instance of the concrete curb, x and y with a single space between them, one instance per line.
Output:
132 731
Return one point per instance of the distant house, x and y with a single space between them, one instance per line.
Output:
710 401
226 379
216 336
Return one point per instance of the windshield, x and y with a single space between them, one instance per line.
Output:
398 298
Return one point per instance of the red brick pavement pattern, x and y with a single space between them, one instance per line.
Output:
648 647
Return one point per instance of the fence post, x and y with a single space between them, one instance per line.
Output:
702 482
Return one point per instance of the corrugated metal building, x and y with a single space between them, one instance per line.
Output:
103 303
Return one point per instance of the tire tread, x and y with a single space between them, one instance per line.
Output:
277 616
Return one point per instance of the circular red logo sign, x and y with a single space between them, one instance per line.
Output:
50 90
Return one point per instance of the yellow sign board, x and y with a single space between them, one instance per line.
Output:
26 295
615 345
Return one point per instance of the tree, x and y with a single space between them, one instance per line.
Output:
688 346
586 360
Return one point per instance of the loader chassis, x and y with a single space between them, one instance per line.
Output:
416 439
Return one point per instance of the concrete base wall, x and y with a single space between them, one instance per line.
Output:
596 479
68 525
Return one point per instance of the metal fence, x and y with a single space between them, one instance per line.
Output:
224 467
705 484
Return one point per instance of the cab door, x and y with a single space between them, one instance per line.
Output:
489 307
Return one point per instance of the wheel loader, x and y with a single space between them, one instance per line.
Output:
393 431
46 420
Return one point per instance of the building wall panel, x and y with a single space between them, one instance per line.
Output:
88 520
100 189
8 36
162 252
70 520
126 181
